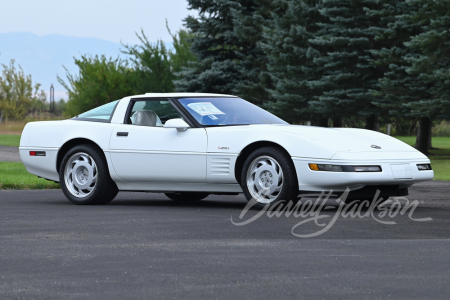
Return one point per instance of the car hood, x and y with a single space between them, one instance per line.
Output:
348 139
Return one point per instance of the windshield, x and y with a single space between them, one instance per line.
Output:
227 111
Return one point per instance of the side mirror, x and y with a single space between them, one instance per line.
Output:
179 124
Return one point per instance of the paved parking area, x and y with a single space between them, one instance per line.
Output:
145 246
9 154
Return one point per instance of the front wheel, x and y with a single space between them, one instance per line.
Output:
268 176
85 178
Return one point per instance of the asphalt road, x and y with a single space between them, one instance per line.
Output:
144 246
9 154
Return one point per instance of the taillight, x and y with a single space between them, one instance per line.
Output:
37 153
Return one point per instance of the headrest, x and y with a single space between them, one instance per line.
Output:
145 118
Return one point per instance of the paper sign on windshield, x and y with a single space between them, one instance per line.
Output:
205 108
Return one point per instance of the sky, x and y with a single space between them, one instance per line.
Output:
112 20
59 25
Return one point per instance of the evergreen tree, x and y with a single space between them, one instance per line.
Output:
291 58
416 81
399 88
226 41
432 63
344 41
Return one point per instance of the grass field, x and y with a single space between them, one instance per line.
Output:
441 145
13 175
440 156
9 140
16 127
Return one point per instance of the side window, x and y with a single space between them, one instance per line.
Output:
153 113
102 113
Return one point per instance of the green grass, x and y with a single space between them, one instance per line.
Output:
441 169
441 146
13 175
439 142
440 157
9 140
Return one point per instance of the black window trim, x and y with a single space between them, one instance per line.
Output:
99 120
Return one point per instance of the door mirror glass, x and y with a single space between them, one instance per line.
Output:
179 124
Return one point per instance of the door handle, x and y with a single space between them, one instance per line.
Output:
122 133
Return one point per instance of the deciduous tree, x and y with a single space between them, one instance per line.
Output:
18 94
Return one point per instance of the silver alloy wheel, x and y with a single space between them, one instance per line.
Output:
80 175
264 179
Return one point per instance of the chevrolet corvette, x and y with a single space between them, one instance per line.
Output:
190 145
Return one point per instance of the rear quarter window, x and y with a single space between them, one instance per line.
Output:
102 113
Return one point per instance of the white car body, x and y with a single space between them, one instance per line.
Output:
159 159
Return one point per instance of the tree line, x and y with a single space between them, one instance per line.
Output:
148 67
20 96
355 63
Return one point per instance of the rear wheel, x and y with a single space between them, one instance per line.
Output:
187 196
85 178
269 176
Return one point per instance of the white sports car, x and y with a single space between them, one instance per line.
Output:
190 145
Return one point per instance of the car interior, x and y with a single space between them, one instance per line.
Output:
153 113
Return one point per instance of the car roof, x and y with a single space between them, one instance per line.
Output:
174 95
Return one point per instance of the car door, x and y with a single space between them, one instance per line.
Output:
144 151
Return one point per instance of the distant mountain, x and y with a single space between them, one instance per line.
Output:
44 56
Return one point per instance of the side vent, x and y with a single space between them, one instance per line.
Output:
220 166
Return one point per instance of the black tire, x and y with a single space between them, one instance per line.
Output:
289 190
104 190
187 196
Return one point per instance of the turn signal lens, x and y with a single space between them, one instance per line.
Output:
424 167
314 167
367 169
329 168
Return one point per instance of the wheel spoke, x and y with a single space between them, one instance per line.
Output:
273 164
93 180
277 189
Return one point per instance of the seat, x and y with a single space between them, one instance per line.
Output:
145 118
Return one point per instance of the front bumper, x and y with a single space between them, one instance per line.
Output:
318 181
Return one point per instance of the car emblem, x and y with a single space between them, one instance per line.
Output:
376 147
223 148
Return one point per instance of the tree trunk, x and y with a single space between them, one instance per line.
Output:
337 121
430 146
371 122
423 133
322 122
